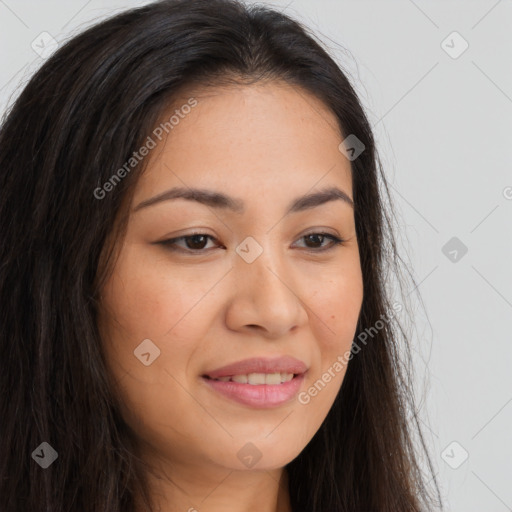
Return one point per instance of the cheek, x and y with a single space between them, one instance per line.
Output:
335 306
334 310
137 307
139 304
149 298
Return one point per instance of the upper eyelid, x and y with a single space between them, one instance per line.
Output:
203 231
188 235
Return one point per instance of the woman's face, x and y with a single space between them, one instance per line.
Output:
258 281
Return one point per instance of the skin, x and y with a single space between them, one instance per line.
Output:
265 144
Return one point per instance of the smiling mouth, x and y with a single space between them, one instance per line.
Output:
257 390
256 379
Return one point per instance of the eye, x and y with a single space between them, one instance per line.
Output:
197 242
319 238
193 243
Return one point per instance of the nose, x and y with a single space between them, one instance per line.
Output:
266 297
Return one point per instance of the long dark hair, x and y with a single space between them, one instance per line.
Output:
79 119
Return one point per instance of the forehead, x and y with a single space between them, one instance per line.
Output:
252 140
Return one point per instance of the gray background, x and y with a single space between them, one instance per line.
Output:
443 127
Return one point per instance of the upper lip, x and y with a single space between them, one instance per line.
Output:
285 364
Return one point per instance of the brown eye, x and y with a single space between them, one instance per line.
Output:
315 241
196 242
316 238
193 243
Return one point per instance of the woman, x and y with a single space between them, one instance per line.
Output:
192 277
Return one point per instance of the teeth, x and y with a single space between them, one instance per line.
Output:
256 378
259 378
271 378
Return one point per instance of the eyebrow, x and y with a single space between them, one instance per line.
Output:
216 199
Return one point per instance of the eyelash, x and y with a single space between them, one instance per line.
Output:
170 244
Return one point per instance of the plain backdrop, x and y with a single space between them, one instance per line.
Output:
436 80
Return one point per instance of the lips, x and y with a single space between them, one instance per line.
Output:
284 365
259 382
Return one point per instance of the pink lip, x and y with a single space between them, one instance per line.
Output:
262 395
285 364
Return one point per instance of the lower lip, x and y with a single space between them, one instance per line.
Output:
259 396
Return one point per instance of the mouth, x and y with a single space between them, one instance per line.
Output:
257 379
255 367
258 383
